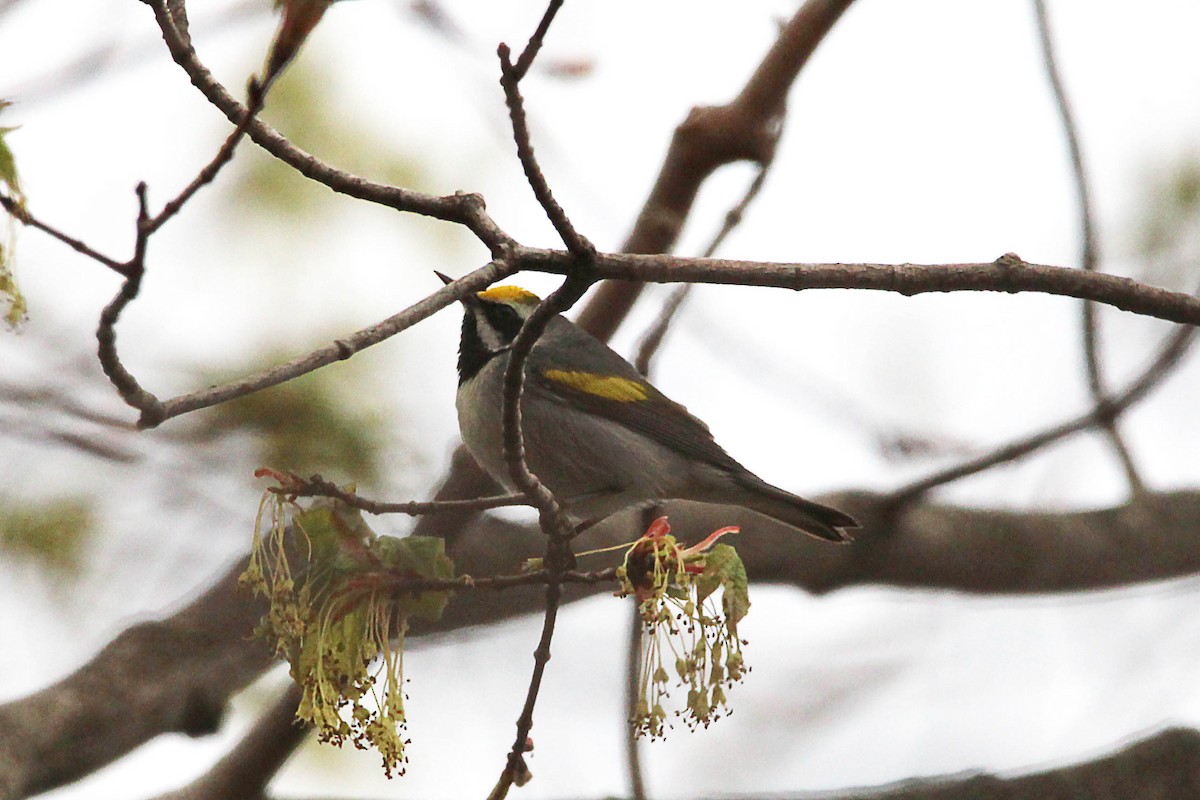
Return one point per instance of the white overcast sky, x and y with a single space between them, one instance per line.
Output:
922 132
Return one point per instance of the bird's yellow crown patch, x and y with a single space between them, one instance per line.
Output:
610 387
507 294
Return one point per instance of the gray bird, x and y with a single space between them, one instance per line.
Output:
599 436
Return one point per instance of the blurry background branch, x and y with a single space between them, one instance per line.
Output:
178 673
1163 766
1089 256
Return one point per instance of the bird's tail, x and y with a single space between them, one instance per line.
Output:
812 518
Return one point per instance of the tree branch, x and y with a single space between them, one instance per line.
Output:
1089 258
1107 408
252 763
1009 273
171 675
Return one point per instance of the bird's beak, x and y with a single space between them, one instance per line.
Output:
446 279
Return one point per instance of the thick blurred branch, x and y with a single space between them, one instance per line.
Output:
247 769
1165 766
177 674
169 676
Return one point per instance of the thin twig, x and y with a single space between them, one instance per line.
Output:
256 97
653 337
534 45
106 335
633 664
1166 360
22 215
552 519
338 350
510 77
647 350
318 487
1089 248
516 771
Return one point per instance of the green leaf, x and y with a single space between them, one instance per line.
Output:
723 568
8 164
418 557
9 293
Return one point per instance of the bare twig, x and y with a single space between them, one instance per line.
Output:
654 335
1009 274
653 338
534 45
337 351
1167 359
256 96
22 215
510 77
316 486
106 336
553 521
1090 251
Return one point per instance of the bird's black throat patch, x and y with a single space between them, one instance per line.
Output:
475 349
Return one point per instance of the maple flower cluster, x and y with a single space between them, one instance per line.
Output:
339 620
688 637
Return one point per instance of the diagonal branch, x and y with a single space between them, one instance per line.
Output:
1090 251
1107 408
653 337
510 77
247 769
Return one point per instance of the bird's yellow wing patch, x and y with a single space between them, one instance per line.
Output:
505 294
610 387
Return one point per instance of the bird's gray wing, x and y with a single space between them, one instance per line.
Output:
602 383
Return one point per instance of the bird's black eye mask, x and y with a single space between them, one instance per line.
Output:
504 319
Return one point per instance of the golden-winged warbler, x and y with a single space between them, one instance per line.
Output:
596 433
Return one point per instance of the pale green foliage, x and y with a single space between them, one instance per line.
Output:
338 617
52 533
10 294
308 425
1168 229
684 628
301 107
